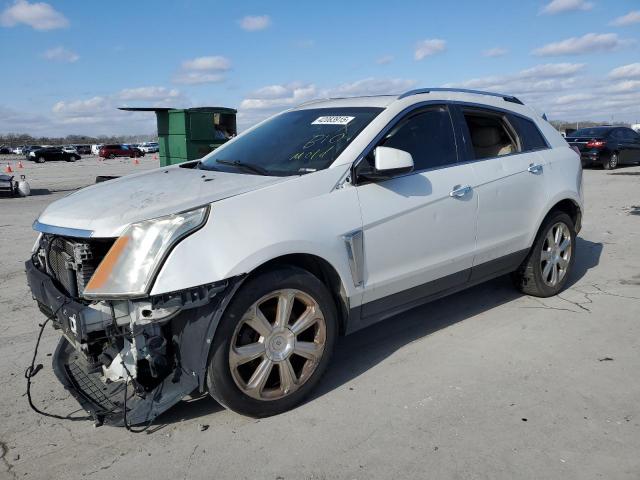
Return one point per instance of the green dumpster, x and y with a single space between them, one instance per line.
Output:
190 133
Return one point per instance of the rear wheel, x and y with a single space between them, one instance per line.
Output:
546 269
40 160
273 343
612 163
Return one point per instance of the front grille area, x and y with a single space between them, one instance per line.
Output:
71 261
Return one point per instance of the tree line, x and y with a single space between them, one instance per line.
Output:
15 139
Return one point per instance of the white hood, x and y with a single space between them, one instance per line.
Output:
106 208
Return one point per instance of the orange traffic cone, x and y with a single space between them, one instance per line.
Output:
136 161
155 156
8 169
20 164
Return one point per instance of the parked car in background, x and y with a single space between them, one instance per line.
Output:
120 150
83 149
48 154
69 149
19 150
607 146
29 148
150 147
5 150
95 148
316 223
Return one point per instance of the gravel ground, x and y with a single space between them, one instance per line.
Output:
487 383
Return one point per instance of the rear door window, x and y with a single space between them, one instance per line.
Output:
490 133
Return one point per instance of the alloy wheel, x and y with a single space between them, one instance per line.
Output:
556 254
277 345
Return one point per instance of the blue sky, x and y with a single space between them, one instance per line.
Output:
68 64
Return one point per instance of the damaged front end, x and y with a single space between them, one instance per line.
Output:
125 360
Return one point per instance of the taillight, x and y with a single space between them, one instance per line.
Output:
596 143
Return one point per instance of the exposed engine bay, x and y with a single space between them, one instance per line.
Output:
129 360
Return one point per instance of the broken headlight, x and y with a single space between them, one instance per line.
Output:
131 264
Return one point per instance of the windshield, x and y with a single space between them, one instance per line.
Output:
591 132
293 143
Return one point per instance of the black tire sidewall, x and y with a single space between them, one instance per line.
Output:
219 380
546 290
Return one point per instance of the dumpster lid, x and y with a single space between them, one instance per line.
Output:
166 109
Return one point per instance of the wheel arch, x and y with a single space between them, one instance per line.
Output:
322 270
565 204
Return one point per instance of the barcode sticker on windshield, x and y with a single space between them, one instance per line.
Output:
333 120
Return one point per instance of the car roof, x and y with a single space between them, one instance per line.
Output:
420 95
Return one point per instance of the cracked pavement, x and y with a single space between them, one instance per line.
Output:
487 383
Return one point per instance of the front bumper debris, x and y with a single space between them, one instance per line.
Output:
187 336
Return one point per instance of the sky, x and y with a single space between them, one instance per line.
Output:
68 64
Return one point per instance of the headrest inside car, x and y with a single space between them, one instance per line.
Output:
485 136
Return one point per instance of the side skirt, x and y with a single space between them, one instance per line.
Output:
386 307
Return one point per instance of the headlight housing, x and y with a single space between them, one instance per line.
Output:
132 262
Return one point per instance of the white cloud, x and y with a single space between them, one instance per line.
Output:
560 6
589 43
99 115
252 23
370 86
271 99
426 48
201 70
61 54
207 63
573 98
495 52
626 71
566 91
384 60
551 70
153 94
39 16
625 86
628 19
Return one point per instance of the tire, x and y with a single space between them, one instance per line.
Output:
111 156
229 373
71 159
612 162
40 160
532 278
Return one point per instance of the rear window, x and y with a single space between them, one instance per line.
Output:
530 136
591 132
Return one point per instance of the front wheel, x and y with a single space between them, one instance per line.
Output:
546 269
612 163
40 160
273 343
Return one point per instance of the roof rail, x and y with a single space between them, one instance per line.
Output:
506 98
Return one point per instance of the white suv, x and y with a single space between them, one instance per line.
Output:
235 274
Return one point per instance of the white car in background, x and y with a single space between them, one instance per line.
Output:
149 147
95 148
69 149
236 274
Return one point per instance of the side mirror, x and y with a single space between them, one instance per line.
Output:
389 163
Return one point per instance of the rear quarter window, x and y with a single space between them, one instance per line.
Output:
530 136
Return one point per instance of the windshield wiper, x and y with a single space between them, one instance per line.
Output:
247 166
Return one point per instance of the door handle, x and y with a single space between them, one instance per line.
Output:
460 191
534 168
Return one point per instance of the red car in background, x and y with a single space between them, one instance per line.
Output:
119 150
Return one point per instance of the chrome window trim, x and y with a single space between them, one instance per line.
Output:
63 231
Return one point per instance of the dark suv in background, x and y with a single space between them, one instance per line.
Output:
48 154
606 146
120 150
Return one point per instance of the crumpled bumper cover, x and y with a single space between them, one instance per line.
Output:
191 331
